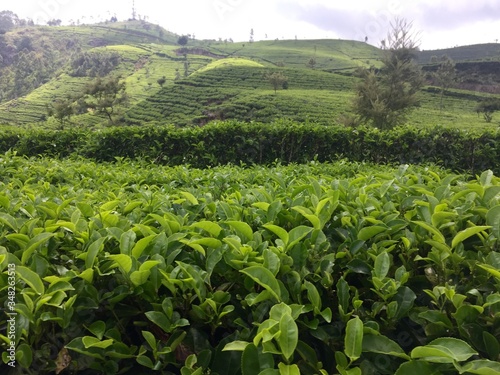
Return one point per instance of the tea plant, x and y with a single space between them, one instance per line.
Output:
341 268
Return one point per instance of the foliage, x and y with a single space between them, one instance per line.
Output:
256 143
183 40
385 96
277 80
8 21
105 95
304 269
62 110
488 107
94 64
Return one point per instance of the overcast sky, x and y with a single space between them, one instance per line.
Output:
441 23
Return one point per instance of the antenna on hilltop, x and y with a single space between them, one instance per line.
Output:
133 10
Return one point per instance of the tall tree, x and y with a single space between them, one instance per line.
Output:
385 96
62 110
105 95
445 77
8 20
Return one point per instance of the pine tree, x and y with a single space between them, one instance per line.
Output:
385 96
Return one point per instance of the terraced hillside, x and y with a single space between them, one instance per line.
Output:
207 80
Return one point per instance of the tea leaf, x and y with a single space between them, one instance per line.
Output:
354 339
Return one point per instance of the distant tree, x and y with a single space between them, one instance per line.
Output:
312 62
445 76
487 108
161 81
186 68
93 64
54 22
62 110
183 40
384 97
277 80
104 95
8 20
251 35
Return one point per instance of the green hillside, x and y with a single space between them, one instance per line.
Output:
207 80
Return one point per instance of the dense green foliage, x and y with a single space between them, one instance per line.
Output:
320 268
249 143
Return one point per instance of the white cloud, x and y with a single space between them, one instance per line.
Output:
442 23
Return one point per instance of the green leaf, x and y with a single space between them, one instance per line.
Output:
417 368
493 219
491 344
141 245
109 206
24 355
139 277
485 178
354 338
405 298
93 342
382 265
481 367
127 241
382 345
288 369
492 270
444 350
213 228
145 361
264 278
313 295
87 275
93 250
253 362
271 261
4 202
297 234
280 232
438 236
343 294
160 320
289 336
368 232
33 245
31 278
150 338
147 265
236 345
190 197
98 328
313 219
466 233
437 317
124 261
242 228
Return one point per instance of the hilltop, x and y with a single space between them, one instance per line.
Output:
202 81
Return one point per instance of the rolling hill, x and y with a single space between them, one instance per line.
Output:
209 80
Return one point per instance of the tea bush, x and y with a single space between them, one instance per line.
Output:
256 143
343 268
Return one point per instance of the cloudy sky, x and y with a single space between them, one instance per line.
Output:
440 23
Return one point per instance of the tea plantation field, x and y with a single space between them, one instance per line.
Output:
319 268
